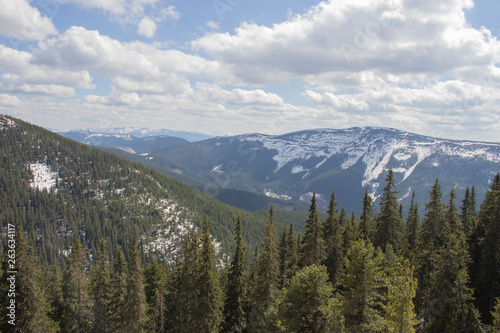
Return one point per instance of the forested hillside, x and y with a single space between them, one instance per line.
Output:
81 263
59 190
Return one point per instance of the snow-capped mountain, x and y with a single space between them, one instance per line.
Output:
127 142
140 133
346 161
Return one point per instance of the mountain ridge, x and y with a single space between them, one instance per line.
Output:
297 163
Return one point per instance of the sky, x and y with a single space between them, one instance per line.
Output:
226 67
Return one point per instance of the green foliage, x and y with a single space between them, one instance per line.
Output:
313 244
412 226
390 225
100 284
363 285
77 314
32 308
488 282
400 311
288 256
210 299
365 230
234 306
306 305
117 300
265 279
332 234
136 298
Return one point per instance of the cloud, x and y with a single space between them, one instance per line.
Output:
397 37
81 49
147 27
169 13
19 20
20 74
214 93
9 100
338 101
213 25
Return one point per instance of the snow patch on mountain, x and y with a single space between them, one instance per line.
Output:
375 147
43 177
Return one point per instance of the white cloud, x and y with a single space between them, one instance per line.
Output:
169 13
9 100
213 25
215 94
80 49
395 37
146 27
22 75
21 21
338 101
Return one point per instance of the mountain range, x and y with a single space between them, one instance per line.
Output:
58 190
292 166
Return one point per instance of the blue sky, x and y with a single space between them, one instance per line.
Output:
239 66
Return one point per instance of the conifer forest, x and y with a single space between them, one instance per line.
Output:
76 260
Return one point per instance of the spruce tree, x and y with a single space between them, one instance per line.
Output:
313 245
77 315
488 281
234 307
287 254
265 285
184 291
118 293
136 298
363 284
332 232
365 230
468 214
390 226
100 290
496 316
430 241
305 306
399 311
210 301
155 276
32 309
412 225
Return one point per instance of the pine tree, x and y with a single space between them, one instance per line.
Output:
399 310
488 282
430 241
118 293
265 285
496 316
468 214
184 291
136 298
53 287
365 220
287 253
305 305
313 245
155 289
332 232
77 315
412 225
350 231
363 285
210 300
390 226
234 307
32 308
100 287
450 306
